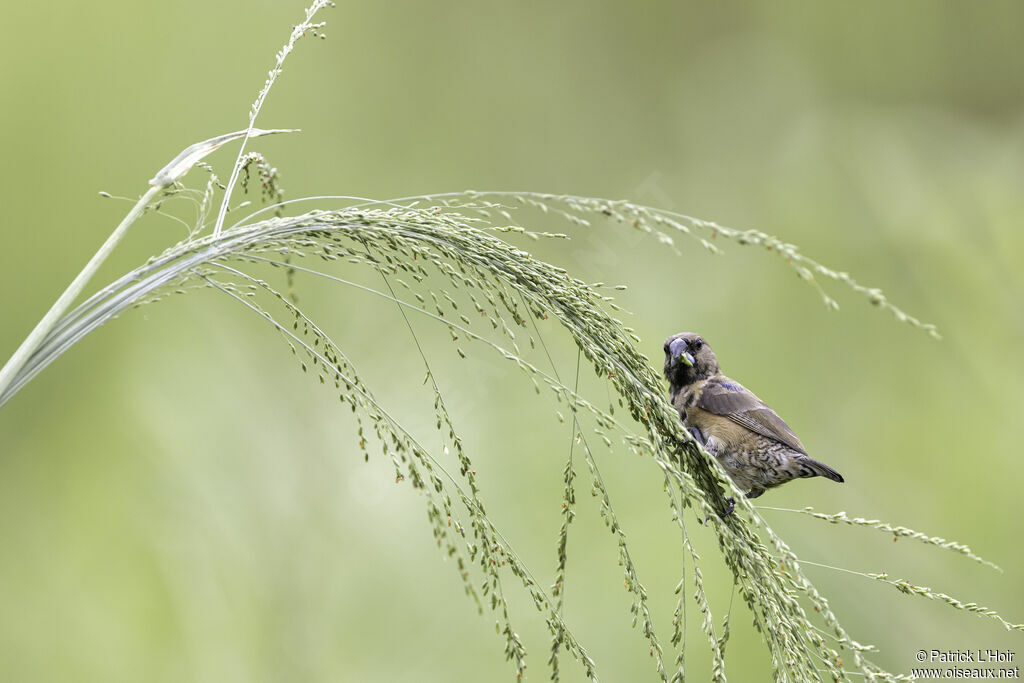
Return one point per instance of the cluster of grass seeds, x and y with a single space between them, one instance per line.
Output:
562 558
484 545
444 259
897 531
254 163
584 313
663 224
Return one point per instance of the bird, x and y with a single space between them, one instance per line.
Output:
754 445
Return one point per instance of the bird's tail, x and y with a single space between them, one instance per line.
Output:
820 469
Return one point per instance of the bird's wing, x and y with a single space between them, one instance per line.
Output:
724 397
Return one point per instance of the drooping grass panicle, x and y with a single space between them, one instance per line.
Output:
896 531
659 223
416 245
568 514
908 588
410 456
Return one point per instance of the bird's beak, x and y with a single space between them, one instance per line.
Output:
677 349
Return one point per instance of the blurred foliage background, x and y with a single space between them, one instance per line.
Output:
178 502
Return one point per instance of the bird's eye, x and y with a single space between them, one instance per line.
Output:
698 343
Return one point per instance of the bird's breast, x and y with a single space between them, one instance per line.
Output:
681 398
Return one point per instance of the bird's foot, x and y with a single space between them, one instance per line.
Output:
730 505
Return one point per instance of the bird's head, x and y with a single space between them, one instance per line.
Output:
688 359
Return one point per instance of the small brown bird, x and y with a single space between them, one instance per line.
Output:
756 447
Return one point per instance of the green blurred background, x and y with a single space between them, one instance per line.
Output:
177 502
